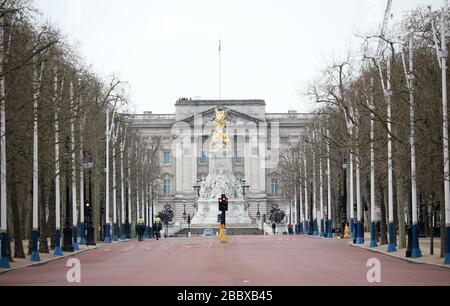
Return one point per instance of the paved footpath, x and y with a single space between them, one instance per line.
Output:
244 261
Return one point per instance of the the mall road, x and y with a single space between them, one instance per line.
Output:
244 261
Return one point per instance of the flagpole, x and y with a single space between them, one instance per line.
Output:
220 70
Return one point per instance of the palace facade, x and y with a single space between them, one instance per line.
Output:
257 139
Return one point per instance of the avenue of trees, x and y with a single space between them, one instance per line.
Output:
46 87
349 92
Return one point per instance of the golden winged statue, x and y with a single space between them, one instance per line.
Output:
220 134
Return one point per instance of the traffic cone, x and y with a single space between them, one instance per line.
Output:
347 232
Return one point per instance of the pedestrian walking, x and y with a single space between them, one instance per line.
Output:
158 227
140 229
291 229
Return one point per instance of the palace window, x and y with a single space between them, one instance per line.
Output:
167 187
274 187
167 158
238 158
203 160
237 153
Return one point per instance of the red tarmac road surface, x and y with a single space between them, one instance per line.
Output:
244 261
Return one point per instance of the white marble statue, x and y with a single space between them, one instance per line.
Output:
221 180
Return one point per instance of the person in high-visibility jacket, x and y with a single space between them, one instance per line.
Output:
140 229
157 227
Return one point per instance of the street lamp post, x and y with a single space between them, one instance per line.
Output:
351 190
148 211
359 210
315 225
184 214
82 198
322 221
197 187
413 247
108 133
302 215
258 216
122 191
189 225
307 216
129 220
373 228
58 251
114 185
330 219
392 239
291 216
67 237
4 261
343 210
245 187
73 173
442 58
35 233
290 210
90 238
152 217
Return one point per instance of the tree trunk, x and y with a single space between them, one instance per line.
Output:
51 223
383 227
8 251
30 219
401 213
43 241
98 203
368 220
442 221
17 234
431 217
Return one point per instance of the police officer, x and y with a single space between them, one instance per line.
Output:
157 227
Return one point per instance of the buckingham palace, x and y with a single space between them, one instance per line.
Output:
256 138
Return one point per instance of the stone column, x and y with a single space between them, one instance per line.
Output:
177 157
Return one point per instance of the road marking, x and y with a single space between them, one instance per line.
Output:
246 281
107 250
209 245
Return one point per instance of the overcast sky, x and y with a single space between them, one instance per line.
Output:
167 49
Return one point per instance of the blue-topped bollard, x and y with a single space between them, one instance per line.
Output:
322 228
4 262
352 229
76 247
82 233
34 240
373 240
107 233
359 233
123 235
415 251
316 230
392 241
330 229
115 238
58 250
447 246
